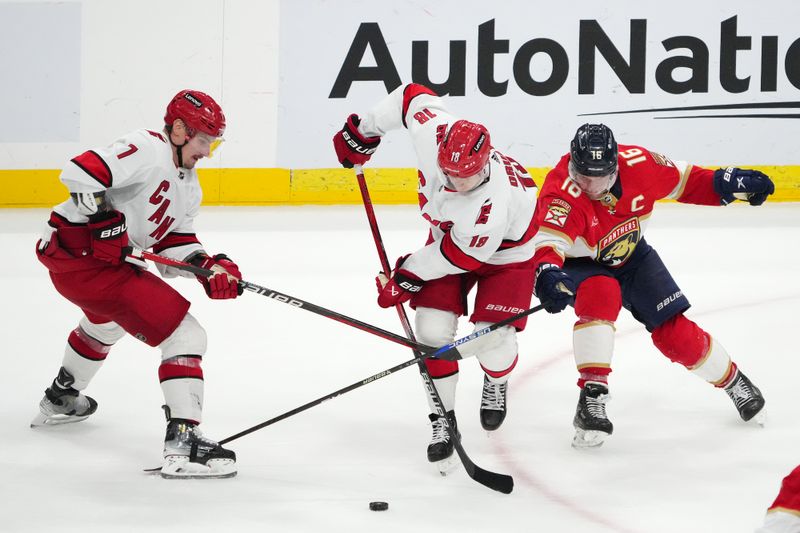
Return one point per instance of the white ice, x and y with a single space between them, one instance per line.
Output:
680 459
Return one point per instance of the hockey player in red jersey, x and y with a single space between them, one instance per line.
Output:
783 516
140 191
479 204
591 215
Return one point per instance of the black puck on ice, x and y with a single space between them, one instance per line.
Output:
378 506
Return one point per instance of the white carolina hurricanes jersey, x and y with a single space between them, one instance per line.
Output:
492 224
140 179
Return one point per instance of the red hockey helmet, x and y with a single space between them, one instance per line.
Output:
465 149
198 111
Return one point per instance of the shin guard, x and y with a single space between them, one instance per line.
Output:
597 306
684 342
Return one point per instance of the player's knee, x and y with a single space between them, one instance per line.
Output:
188 338
107 333
598 298
435 327
439 368
500 356
681 340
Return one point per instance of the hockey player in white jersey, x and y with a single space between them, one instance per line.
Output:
141 191
479 204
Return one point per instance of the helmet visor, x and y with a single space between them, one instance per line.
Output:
466 184
206 142
593 186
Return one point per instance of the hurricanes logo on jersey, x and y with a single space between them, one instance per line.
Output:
483 217
618 245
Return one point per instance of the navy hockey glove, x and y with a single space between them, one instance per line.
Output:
224 283
740 183
554 288
109 236
400 288
351 147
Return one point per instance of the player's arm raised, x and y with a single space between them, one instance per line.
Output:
360 136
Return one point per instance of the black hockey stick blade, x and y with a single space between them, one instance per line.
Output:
493 480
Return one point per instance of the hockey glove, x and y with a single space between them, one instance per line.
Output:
109 236
224 283
734 183
554 288
351 147
400 288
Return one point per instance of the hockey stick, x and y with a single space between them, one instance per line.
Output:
499 482
482 476
309 405
314 403
448 352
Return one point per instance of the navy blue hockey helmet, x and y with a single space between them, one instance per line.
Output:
593 150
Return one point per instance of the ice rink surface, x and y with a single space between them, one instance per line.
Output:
680 460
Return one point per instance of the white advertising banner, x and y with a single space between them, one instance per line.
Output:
707 82
40 67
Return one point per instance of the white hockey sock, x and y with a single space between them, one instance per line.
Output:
593 344
715 365
446 387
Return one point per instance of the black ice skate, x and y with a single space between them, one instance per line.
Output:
440 450
189 455
747 399
493 404
62 404
591 423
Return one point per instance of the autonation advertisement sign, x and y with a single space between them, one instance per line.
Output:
710 84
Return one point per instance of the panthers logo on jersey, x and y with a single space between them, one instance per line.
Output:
618 245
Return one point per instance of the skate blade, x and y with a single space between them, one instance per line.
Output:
489 430
760 419
179 467
42 420
446 466
588 438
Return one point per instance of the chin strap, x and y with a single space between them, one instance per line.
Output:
179 151
178 147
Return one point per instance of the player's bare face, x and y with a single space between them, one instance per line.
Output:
197 148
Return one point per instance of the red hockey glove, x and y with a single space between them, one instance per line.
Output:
109 236
400 288
351 147
224 283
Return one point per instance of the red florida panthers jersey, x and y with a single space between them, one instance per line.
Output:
608 230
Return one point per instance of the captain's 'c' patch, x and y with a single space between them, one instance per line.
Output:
557 212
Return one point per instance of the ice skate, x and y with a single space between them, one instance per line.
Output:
747 399
62 404
440 450
189 455
591 423
493 404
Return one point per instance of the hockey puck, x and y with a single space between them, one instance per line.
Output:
378 506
